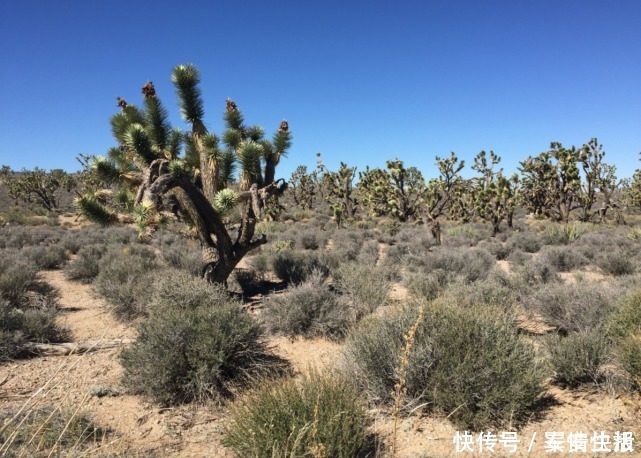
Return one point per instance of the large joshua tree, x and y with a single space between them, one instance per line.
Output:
159 173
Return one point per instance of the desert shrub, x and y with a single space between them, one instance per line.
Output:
576 359
616 262
122 279
593 244
534 272
563 234
21 237
526 241
87 265
499 250
564 258
626 316
190 353
44 430
309 309
366 286
369 253
176 288
46 257
261 263
249 281
468 265
183 256
347 245
317 415
518 257
472 366
21 325
571 308
629 355
309 239
428 285
495 291
18 276
295 266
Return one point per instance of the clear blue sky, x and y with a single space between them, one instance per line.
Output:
361 82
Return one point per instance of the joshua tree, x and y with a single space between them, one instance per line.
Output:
440 194
37 185
339 191
551 182
397 191
494 194
195 187
302 185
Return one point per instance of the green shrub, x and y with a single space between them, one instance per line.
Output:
18 276
184 256
616 262
295 266
366 286
36 432
428 285
195 351
626 316
576 359
248 280
571 308
472 366
122 279
318 415
86 266
526 241
629 353
46 257
564 258
308 309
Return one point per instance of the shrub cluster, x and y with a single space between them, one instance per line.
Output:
196 344
123 281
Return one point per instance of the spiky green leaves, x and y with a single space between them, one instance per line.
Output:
232 138
225 201
282 141
186 78
144 215
105 170
138 141
249 155
120 122
89 207
210 145
178 168
158 125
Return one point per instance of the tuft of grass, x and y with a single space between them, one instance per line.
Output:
317 415
48 431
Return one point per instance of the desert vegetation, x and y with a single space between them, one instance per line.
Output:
315 316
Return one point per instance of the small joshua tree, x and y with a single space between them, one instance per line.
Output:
37 185
339 191
551 183
397 191
148 180
441 192
302 186
495 195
